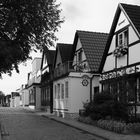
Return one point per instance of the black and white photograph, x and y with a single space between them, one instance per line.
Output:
69 69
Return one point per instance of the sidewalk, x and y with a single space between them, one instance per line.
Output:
101 133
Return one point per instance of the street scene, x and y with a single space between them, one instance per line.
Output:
24 124
69 70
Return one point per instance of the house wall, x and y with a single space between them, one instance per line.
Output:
17 101
59 103
78 47
11 102
122 22
45 67
132 35
45 63
36 64
83 59
25 97
78 93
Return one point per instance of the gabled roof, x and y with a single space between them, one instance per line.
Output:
65 52
132 13
50 55
93 44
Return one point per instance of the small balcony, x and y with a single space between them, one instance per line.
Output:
70 66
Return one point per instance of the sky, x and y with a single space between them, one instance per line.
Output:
87 15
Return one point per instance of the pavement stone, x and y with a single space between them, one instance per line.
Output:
99 132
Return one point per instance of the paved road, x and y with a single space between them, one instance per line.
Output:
21 124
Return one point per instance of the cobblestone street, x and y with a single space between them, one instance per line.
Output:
21 124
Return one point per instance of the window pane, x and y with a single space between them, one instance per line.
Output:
62 87
120 39
125 37
55 95
66 89
80 56
58 91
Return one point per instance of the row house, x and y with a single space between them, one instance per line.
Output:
7 100
121 60
76 72
33 84
46 80
15 99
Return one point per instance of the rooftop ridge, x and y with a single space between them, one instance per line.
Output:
64 44
92 32
130 4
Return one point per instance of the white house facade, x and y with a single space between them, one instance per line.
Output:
77 78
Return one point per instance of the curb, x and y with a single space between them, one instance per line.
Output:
101 137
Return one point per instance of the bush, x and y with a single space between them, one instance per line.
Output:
112 125
133 128
85 120
120 111
106 106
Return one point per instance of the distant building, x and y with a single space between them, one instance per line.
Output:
15 99
7 100
33 84
24 96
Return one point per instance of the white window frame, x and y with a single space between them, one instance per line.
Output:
124 41
62 91
66 89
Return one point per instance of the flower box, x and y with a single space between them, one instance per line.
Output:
120 51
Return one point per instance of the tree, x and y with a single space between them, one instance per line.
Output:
26 25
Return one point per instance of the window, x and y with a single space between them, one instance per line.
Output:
80 56
55 92
123 38
62 93
48 94
58 85
66 89
131 95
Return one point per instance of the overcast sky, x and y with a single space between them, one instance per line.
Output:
88 15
